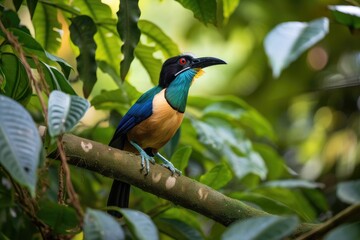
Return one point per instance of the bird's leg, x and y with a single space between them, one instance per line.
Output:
145 158
168 164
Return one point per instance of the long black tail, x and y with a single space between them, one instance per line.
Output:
119 196
120 191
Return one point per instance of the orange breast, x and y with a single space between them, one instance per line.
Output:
160 127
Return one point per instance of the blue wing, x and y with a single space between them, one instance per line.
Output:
140 111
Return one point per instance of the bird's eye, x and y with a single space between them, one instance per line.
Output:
182 61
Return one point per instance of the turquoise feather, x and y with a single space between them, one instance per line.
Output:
177 92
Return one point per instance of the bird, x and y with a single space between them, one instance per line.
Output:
155 118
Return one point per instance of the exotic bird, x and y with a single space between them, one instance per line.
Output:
155 117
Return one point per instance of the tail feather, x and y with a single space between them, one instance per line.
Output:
119 196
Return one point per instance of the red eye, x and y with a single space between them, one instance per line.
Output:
182 61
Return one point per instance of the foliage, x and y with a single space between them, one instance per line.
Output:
224 142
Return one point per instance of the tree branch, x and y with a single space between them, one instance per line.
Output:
181 190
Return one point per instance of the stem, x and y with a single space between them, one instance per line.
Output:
350 213
74 199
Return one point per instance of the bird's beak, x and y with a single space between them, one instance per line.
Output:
206 62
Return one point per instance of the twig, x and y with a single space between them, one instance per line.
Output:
350 213
74 199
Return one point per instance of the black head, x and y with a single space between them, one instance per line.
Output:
176 65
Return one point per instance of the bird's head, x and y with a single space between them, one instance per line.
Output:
180 64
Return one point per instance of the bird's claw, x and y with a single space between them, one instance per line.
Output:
145 159
172 169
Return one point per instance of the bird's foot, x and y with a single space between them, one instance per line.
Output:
145 161
169 165
145 158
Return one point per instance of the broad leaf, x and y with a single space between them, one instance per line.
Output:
162 42
230 143
128 16
265 203
347 15
293 199
10 19
20 143
119 99
140 225
267 228
15 81
349 231
56 80
234 109
65 67
47 27
349 192
31 4
82 31
204 10
217 177
60 218
99 225
152 65
181 157
64 112
287 41
29 44
177 229
106 38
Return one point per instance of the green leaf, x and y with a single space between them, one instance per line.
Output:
347 15
349 231
82 31
10 19
20 143
128 16
204 10
229 6
65 67
349 192
293 183
140 225
28 43
155 35
151 64
56 80
64 112
16 83
177 229
101 226
266 227
267 204
31 6
226 141
234 109
287 41
292 199
181 157
47 27
119 99
17 4
217 177
106 38
60 218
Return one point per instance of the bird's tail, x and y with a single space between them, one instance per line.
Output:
119 196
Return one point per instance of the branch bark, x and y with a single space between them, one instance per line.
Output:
181 190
